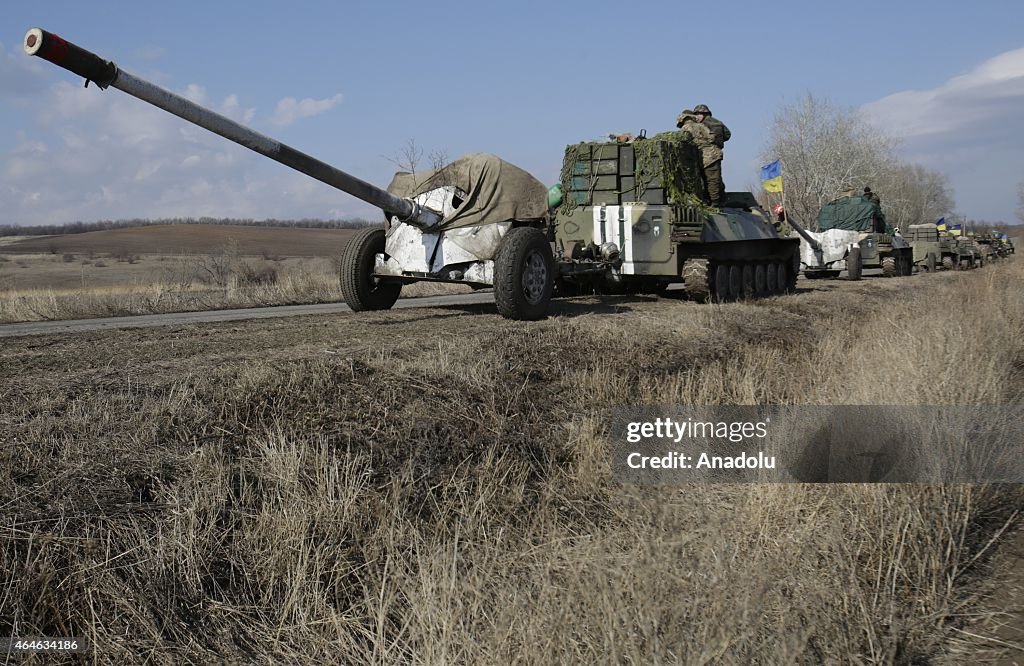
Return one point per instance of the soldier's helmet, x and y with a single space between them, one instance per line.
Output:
683 116
702 108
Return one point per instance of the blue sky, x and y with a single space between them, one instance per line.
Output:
352 83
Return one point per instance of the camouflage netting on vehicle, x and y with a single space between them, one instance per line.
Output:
496 190
668 161
671 158
851 213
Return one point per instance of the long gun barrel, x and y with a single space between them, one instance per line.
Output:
104 74
803 232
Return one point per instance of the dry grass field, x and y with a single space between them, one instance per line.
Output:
173 268
434 486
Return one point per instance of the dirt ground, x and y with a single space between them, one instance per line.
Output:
176 239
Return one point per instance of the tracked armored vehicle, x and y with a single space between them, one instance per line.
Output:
632 219
853 235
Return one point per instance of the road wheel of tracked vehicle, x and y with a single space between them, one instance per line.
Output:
889 267
721 283
947 263
930 262
697 279
760 279
524 274
359 288
771 279
782 278
748 280
854 264
735 281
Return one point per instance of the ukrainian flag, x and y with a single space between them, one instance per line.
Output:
771 177
956 229
941 225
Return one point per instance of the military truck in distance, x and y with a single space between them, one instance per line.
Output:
989 246
933 249
853 235
632 219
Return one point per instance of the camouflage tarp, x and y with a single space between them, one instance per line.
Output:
496 190
852 214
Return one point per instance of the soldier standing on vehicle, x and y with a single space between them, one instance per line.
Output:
710 153
872 197
721 134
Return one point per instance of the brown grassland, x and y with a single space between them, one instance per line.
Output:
173 268
434 485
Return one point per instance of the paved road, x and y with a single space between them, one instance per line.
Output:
185 318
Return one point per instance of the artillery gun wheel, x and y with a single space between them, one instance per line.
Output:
889 267
359 288
697 279
760 279
854 264
721 291
947 263
930 262
524 274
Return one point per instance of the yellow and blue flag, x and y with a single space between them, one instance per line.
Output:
771 177
956 229
941 225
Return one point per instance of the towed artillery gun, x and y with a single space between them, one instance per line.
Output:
853 235
484 222
480 223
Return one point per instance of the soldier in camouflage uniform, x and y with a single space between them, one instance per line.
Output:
721 134
872 197
710 152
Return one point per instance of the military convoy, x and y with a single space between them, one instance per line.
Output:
631 216
933 249
627 216
853 235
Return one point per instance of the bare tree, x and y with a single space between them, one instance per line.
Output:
824 149
408 158
913 194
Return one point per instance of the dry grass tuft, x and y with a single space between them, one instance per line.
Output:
425 498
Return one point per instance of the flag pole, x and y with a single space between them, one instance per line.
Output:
782 183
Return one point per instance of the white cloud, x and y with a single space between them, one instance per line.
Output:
986 93
289 109
971 127
86 154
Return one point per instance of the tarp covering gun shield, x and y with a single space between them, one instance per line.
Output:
496 190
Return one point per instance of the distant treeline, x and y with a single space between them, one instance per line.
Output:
103 225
